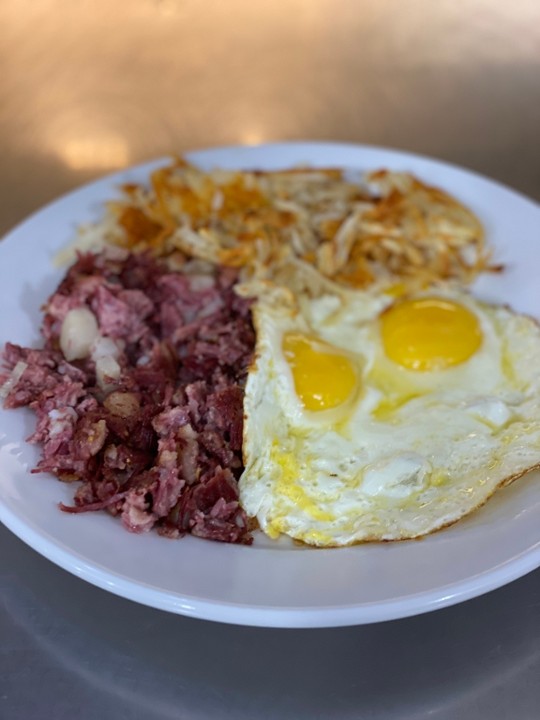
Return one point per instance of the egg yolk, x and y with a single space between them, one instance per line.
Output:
323 376
430 333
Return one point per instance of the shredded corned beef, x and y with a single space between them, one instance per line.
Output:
159 440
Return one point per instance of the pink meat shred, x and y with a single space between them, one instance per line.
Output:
162 446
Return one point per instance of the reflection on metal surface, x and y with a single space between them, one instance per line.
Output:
251 136
99 154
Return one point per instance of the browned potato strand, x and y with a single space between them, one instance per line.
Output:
391 228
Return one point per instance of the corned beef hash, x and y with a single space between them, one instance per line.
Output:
294 351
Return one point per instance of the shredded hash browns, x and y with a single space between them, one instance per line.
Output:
389 228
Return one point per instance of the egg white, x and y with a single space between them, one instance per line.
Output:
409 452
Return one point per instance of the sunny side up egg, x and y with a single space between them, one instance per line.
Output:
374 418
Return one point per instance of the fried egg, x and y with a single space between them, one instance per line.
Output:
370 417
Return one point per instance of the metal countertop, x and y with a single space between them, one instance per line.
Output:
93 86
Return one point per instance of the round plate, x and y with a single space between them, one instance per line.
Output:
271 583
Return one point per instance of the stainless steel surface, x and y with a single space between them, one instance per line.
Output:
89 86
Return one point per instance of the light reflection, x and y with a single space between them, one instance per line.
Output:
94 154
251 136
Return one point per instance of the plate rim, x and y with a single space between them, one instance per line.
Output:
267 616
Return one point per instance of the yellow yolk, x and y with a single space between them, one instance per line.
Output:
323 376
430 333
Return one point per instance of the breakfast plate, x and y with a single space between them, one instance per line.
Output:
271 583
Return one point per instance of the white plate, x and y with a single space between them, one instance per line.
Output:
269 584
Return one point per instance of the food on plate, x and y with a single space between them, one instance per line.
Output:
371 417
372 399
138 392
382 228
